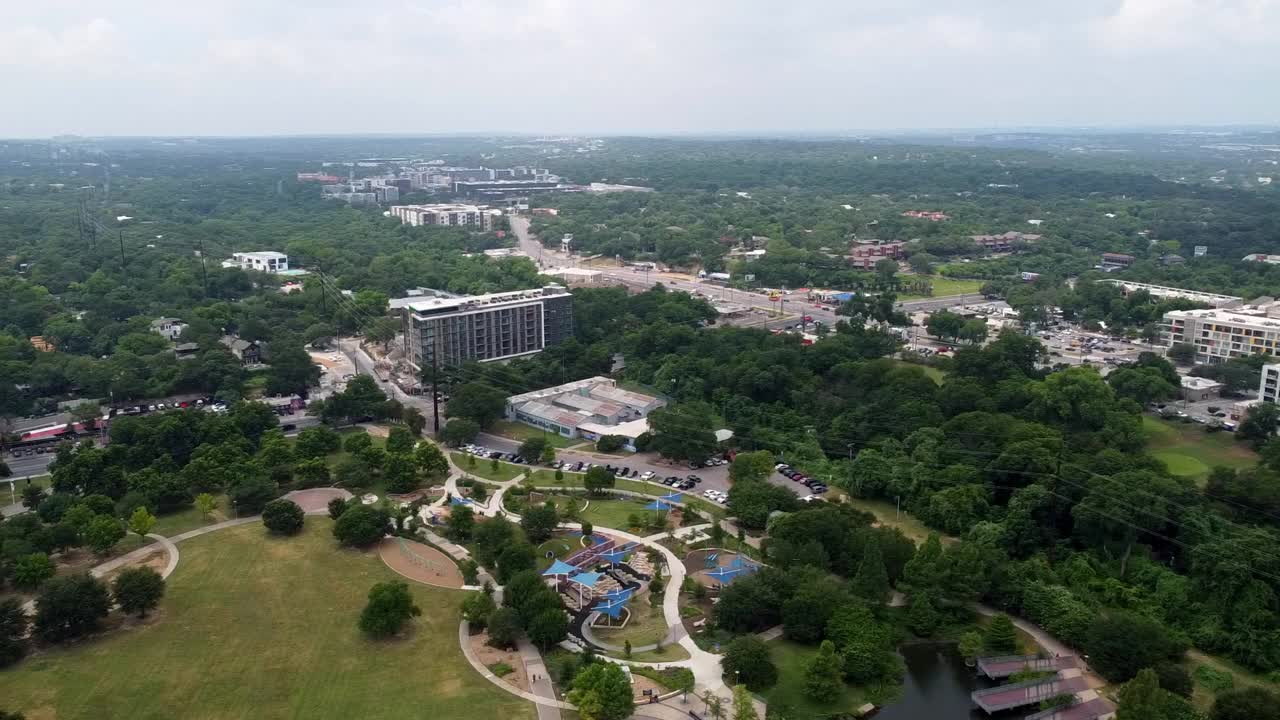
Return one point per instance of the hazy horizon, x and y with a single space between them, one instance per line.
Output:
232 68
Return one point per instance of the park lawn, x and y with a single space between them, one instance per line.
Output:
613 513
190 518
335 458
886 514
943 286
547 478
668 653
1201 696
483 468
261 627
1188 451
522 432
559 548
646 626
933 373
791 659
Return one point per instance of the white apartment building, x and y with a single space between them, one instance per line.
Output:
1224 333
446 214
1269 386
267 261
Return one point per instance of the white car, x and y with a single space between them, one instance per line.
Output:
647 475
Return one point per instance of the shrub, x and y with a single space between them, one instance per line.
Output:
70 607
138 590
390 607
361 526
282 517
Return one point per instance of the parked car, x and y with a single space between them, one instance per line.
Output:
648 475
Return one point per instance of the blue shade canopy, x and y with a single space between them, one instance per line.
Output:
612 608
623 594
659 504
454 500
673 497
587 579
559 567
725 574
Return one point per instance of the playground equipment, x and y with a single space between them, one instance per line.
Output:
416 559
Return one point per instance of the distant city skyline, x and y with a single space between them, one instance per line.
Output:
236 68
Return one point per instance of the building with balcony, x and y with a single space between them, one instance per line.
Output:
1269 385
267 262
441 329
1224 333
474 216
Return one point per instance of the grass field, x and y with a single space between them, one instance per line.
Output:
559 547
190 519
886 514
791 659
258 627
944 286
614 513
1188 451
646 626
522 432
484 468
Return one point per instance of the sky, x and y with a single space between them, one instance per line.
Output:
283 67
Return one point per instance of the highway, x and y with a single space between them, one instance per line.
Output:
792 304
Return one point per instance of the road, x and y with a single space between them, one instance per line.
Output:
795 303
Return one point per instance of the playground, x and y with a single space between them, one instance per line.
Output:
420 563
717 567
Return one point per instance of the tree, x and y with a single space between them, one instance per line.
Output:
1182 353
430 460
610 443
516 557
503 628
588 529
922 615
138 590
251 494
753 502
1259 424
748 466
361 526
390 606
743 707
357 442
824 677
459 431
312 473
1120 644
70 607
461 523
548 456
597 479
601 692
282 517
316 442
973 331
944 324
14 623
477 609
684 431
32 496
401 473
548 628
477 402
102 534
30 572
747 661
337 506
539 521
141 521
970 645
532 447
205 503
400 440
715 706
872 580
1251 703
1175 678
1000 637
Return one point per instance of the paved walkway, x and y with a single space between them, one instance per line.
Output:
536 670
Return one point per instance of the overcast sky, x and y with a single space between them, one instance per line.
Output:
240 67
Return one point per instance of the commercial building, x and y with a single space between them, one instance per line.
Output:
588 408
267 262
1117 259
1004 242
1163 291
443 329
1262 258
1198 389
446 214
502 189
1224 333
1269 385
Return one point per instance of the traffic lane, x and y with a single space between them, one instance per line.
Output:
29 465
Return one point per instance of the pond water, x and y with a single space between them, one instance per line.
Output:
936 686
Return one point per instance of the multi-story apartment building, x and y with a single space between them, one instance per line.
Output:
1269 386
480 218
445 330
1224 333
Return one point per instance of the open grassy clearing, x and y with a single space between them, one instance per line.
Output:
942 286
260 627
614 513
646 626
1188 451
886 514
191 518
521 432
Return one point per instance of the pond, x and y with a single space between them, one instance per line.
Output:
936 686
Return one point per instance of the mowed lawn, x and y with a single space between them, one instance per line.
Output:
1188 451
484 469
942 286
258 627
792 659
522 432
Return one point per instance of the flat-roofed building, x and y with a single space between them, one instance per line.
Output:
1269 385
443 329
446 214
1224 333
587 408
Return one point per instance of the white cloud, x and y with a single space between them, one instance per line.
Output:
1172 25
80 46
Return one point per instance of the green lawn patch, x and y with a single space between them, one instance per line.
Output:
191 518
791 659
942 286
557 548
484 468
887 514
1188 451
645 626
522 432
614 513
261 627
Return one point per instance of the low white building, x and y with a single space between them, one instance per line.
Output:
586 408
263 261
168 328
446 214
1198 389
